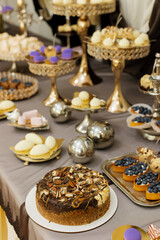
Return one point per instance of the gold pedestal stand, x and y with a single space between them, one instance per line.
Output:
117 102
83 77
52 71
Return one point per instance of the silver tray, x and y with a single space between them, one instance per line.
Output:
126 187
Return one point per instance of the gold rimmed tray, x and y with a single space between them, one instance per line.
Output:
3 116
126 187
27 159
45 126
18 94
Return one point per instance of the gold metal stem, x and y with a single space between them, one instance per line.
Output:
117 103
83 126
22 16
53 96
82 77
13 68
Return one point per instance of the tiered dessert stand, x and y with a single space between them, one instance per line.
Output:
151 134
117 102
53 71
84 77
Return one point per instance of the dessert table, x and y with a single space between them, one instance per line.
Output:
16 180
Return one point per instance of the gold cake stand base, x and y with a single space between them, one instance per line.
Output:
117 103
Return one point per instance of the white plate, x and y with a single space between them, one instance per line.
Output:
33 213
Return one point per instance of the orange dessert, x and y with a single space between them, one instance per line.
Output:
132 172
153 191
144 180
121 164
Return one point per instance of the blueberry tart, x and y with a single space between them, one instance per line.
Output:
153 191
121 164
132 172
144 180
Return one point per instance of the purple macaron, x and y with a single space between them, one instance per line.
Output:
58 48
132 234
6 9
39 59
42 49
67 53
34 53
54 59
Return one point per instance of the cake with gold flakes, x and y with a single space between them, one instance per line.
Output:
73 195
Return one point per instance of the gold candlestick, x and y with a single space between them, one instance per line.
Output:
22 16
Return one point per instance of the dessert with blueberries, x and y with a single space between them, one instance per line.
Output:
132 172
121 164
139 109
13 84
156 125
139 121
144 180
153 191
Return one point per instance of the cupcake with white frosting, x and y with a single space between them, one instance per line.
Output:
76 102
95 103
108 42
124 43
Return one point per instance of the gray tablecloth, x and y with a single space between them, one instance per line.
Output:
16 180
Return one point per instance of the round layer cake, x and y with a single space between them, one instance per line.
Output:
72 195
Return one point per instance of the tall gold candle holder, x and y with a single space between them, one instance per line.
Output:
22 14
117 102
83 76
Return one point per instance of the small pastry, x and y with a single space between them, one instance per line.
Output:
153 191
58 48
50 51
30 114
21 120
39 59
121 164
7 106
144 153
5 84
139 109
132 172
67 53
39 151
95 103
23 147
144 36
42 49
53 59
28 84
107 42
50 142
140 120
14 83
136 33
67 1
6 9
36 121
57 1
81 1
96 37
132 234
146 82
153 232
77 102
124 43
32 137
84 96
144 180
139 41
34 54
154 164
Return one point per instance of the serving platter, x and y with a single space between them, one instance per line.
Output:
125 186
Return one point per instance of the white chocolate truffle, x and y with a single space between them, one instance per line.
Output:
81 1
57 1
39 149
108 42
50 142
95 102
136 33
6 104
139 41
103 31
95 1
124 43
36 139
144 36
77 102
84 95
23 145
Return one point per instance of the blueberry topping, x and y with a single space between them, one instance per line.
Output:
4 79
154 187
158 123
16 81
28 84
126 161
136 169
1 88
142 119
142 110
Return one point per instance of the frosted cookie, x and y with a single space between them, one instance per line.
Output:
23 147
39 151
50 142
36 139
77 102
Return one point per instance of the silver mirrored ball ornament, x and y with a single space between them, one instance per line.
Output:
59 112
102 134
81 149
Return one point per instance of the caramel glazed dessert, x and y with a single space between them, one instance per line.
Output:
73 195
